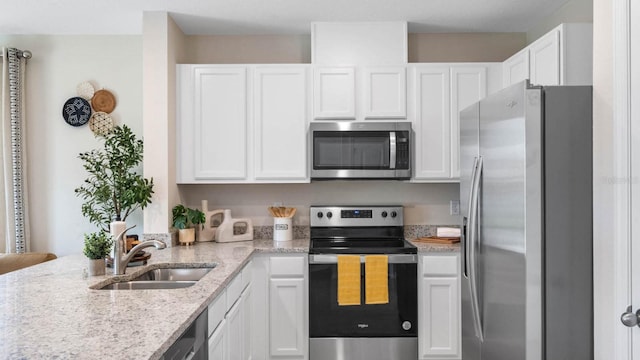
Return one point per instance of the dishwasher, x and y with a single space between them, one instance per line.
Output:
192 344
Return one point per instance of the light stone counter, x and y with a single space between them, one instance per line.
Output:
49 311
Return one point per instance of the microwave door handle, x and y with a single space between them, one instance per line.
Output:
392 150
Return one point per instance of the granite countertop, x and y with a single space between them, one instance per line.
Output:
50 311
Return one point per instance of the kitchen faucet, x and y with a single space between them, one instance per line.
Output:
121 259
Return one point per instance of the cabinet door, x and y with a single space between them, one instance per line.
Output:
280 114
217 343
468 85
245 304
544 55
439 321
431 123
334 93
220 118
235 332
286 317
385 92
515 68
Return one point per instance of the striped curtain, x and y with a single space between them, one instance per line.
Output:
13 178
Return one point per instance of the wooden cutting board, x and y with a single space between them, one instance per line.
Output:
438 240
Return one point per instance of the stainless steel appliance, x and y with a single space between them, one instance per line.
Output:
360 150
526 191
366 331
192 344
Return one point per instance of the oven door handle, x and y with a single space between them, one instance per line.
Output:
393 258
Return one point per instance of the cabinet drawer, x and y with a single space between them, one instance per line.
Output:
217 309
287 266
439 265
234 289
247 274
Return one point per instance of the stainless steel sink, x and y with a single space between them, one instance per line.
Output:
163 278
146 285
177 274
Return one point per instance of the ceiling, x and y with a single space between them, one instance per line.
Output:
269 16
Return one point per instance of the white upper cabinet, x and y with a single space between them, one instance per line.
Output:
468 85
544 59
385 92
359 70
212 123
360 93
280 113
431 124
437 94
334 93
515 68
242 124
563 56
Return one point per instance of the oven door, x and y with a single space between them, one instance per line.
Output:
398 318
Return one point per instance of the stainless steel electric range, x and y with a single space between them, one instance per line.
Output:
379 331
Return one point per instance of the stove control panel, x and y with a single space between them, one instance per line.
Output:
341 216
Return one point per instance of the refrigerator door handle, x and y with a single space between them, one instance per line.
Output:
467 220
471 246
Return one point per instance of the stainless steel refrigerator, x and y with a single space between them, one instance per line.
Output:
526 200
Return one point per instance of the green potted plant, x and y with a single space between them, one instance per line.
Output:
114 188
185 220
97 246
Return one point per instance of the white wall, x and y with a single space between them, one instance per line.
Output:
572 11
605 186
59 63
425 204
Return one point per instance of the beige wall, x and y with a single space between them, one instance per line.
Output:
248 49
572 11
293 49
464 47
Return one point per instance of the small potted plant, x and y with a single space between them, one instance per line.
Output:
97 246
185 220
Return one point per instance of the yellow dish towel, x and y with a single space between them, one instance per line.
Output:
377 279
348 280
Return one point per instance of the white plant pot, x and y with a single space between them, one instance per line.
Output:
97 267
187 236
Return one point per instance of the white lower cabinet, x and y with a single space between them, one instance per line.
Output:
280 307
230 320
217 342
439 332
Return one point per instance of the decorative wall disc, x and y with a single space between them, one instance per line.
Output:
76 111
85 90
101 123
104 101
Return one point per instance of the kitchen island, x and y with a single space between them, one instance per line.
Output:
51 311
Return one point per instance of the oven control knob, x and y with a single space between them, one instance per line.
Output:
329 215
384 214
406 325
319 215
394 214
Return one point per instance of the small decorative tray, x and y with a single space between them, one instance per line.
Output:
438 240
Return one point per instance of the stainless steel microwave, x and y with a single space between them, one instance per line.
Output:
360 150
